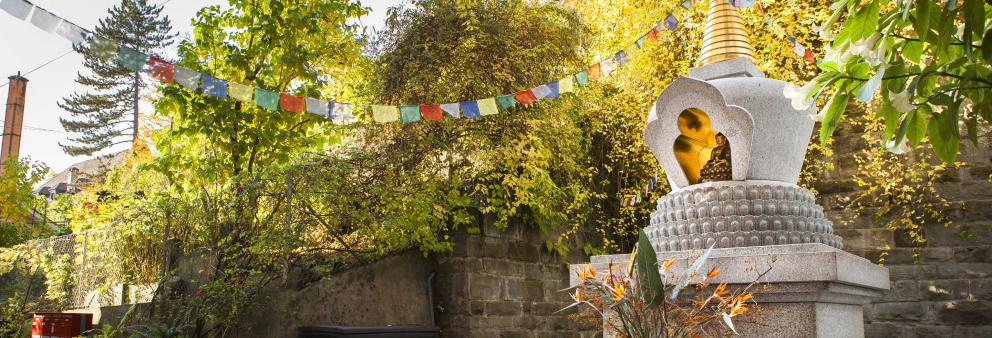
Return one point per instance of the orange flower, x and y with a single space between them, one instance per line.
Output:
587 273
577 296
618 291
713 272
738 306
720 291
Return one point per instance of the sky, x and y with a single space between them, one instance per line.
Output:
24 47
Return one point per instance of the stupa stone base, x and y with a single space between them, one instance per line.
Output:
812 290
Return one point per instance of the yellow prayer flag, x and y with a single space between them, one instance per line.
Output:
488 107
383 114
630 51
239 91
566 85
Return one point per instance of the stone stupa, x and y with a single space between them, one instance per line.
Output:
732 148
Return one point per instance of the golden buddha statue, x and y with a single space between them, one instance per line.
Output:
717 168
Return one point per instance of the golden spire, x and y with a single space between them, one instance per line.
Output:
725 36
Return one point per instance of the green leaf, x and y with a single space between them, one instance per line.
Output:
944 134
834 111
915 125
647 271
922 19
987 46
890 115
974 17
912 51
859 26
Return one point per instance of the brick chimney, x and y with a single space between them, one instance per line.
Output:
13 119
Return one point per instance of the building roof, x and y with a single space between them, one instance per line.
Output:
85 172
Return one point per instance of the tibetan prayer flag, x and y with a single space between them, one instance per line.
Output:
431 112
582 78
566 85
759 7
130 58
810 57
383 114
103 48
71 32
525 97
161 70
409 114
640 41
686 4
553 90
214 87
653 34
451 109
488 107
239 91
186 77
540 92
470 108
595 72
291 102
317 106
506 102
743 3
267 99
799 50
17 8
791 39
44 20
630 51
621 58
343 113
607 67
671 22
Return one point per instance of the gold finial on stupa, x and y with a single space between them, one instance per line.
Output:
724 36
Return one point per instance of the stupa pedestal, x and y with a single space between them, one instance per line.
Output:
732 147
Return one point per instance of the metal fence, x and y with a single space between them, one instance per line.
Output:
87 269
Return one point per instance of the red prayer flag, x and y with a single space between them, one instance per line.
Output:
161 70
595 72
525 97
431 112
291 103
809 56
653 34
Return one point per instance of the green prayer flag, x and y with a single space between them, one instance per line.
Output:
130 58
506 102
582 78
640 42
409 114
267 99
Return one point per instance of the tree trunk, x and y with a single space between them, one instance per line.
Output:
134 139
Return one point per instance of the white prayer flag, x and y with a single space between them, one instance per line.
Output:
343 113
451 109
44 20
17 8
317 106
186 77
71 32
541 91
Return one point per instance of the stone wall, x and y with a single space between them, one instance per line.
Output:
946 291
504 283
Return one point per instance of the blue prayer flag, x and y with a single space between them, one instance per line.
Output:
553 92
671 22
214 87
470 108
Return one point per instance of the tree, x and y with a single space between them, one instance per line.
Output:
107 113
930 63
16 181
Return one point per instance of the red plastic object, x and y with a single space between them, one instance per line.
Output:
60 325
